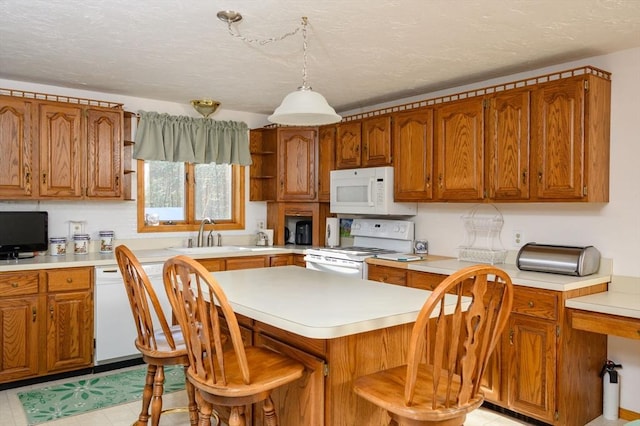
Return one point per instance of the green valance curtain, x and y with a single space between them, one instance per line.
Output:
164 137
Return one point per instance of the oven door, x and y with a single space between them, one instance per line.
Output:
332 265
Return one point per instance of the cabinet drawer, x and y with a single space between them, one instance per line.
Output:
536 303
388 275
316 347
18 283
69 279
234 263
424 280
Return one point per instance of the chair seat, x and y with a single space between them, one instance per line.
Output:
163 349
386 389
270 370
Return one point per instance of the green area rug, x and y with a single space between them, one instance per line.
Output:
92 393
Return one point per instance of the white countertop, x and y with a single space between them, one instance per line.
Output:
608 302
540 280
317 304
144 256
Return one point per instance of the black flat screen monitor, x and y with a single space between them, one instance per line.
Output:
23 232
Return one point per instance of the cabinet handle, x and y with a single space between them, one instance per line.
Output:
539 176
51 311
15 285
69 280
44 178
530 303
440 180
524 176
33 314
511 336
428 181
27 178
117 181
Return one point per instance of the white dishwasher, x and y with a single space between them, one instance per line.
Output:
115 331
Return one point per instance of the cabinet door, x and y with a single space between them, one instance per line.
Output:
60 151
327 155
348 143
300 402
16 167
69 330
532 366
104 153
558 139
376 141
19 319
413 155
459 147
507 143
280 260
297 164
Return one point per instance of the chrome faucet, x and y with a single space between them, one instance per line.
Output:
200 233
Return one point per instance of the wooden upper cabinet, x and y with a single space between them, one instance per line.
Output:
104 153
460 153
507 144
297 149
16 145
61 162
413 155
376 141
348 144
327 160
570 119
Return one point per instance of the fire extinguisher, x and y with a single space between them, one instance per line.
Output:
610 390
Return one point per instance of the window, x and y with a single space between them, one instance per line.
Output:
177 196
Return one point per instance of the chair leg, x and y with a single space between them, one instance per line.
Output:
191 397
204 410
156 402
143 418
236 417
270 417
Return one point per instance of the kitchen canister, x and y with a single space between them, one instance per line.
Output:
81 243
57 246
106 241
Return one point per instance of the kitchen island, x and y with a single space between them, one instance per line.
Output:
339 327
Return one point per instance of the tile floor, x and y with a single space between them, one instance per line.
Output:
12 414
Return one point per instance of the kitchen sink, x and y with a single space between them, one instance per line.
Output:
217 249
205 250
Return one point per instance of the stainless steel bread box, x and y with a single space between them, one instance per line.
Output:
565 260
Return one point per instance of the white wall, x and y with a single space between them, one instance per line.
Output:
614 227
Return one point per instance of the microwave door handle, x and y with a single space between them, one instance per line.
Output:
371 195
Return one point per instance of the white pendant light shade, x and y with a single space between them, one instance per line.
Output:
304 107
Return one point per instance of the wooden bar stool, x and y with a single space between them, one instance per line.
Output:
160 346
447 355
231 378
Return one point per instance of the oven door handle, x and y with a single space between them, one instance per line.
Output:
321 260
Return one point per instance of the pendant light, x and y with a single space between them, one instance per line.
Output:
303 107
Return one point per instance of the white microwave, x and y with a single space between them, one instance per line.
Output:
366 191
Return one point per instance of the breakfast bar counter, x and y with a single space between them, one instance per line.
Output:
339 327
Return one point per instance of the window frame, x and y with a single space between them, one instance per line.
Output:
191 224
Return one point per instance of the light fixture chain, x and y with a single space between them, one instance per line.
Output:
261 42
304 52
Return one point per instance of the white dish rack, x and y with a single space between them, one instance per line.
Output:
483 225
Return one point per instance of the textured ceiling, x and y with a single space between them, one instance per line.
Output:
360 52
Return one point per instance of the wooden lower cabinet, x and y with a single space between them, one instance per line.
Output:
46 322
387 274
542 368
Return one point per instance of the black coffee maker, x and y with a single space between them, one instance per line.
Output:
303 232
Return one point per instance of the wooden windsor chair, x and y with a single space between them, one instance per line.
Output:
232 378
160 344
448 354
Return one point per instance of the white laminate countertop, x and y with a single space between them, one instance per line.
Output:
320 305
158 255
608 302
540 280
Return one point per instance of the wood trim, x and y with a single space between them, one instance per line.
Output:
628 414
596 322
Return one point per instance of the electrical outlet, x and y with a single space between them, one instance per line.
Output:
517 238
76 227
260 224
